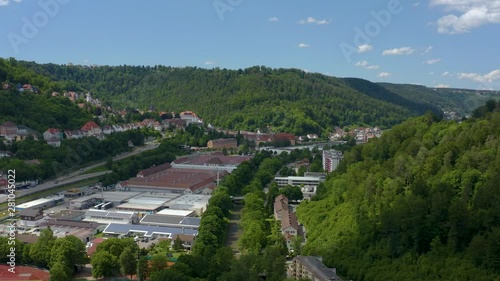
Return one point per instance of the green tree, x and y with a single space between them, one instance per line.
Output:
158 263
128 262
60 272
143 269
104 264
168 275
40 252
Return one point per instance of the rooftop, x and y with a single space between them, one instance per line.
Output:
176 212
173 220
192 179
316 266
214 159
148 231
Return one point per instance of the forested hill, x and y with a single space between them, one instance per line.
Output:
420 203
463 101
38 111
285 99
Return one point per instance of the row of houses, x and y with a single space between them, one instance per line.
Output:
21 87
290 227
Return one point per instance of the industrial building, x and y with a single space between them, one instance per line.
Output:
105 217
179 181
114 197
192 202
171 221
41 204
214 161
114 229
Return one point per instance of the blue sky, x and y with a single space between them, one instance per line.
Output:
446 43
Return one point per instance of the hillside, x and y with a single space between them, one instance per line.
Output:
420 203
463 101
38 111
257 97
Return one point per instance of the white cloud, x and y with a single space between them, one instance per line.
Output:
469 14
398 51
274 19
416 4
366 65
431 61
303 45
210 62
446 73
428 50
442 86
364 48
384 74
311 20
481 78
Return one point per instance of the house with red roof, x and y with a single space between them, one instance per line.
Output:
91 129
284 137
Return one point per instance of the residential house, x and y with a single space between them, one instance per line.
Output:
6 154
190 117
280 206
177 123
108 130
91 129
31 217
8 130
311 268
331 159
53 137
223 143
282 137
75 134
23 132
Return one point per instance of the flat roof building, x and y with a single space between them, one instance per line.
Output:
171 221
192 202
179 181
104 217
146 231
41 204
176 212
213 161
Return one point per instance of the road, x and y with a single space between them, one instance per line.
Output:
79 175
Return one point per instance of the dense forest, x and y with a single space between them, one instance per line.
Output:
420 203
459 100
257 97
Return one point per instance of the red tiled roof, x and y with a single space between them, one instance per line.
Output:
284 136
53 131
92 248
154 170
90 126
